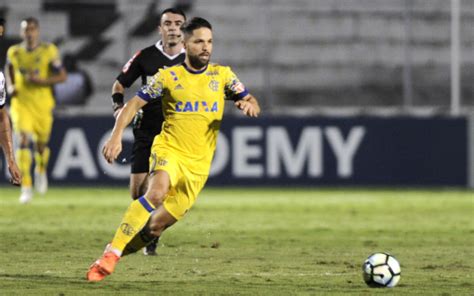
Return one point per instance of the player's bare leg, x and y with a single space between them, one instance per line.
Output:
157 191
138 187
135 218
138 184
24 158
160 220
41 163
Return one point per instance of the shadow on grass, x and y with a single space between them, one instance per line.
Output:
74 283
46 278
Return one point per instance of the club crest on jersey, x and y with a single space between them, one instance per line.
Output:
214 85
196 106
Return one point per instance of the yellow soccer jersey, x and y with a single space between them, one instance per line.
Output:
41 61
193 105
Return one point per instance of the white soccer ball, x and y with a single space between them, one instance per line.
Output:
381 270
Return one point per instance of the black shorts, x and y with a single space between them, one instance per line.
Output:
141 150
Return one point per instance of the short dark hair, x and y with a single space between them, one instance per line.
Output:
195 23
2 21
31 20
172 10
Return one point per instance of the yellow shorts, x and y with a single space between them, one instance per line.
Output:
31 121
185 185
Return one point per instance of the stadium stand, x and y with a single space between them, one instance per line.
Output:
300 53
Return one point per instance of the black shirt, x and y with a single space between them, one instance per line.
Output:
145 63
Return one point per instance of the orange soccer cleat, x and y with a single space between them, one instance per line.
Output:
102 267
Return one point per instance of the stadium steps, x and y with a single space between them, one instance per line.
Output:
318 47
320 52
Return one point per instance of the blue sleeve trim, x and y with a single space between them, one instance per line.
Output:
56 69
145 204
242 94
144 96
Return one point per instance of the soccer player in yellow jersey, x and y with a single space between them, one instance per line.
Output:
192 95
5 130
32 68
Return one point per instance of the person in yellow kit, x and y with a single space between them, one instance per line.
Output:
33 67
192 95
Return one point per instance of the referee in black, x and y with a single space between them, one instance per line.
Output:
145 63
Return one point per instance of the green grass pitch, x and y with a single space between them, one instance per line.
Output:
243 241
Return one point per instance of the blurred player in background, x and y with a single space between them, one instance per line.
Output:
145 63
33 67
192 95
5 129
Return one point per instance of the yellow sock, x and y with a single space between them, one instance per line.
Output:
41 160
23 156
133 221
